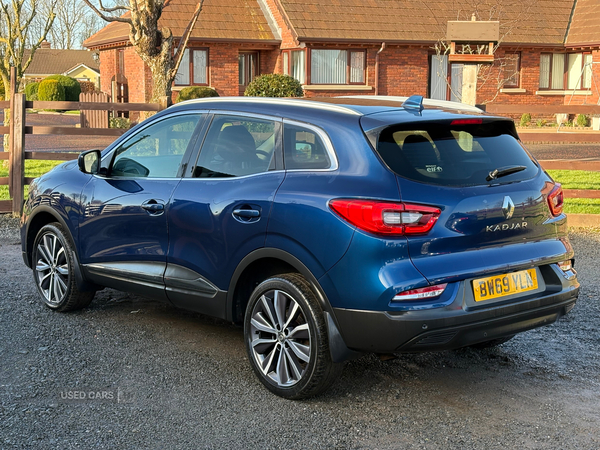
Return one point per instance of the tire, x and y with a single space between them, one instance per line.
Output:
491 343
53 271
286 338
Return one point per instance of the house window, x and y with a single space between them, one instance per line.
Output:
512 70
337 66
294 64
248 67
560 71
193 69
121 61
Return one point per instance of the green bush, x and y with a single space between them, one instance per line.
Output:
31 91
71 86
525 119
1 90
120 122
51 91
191 92
274 85
582 120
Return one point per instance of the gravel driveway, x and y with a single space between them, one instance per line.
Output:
152 376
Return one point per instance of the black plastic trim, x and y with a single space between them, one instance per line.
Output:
419 331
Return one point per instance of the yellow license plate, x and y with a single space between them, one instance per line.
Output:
506 284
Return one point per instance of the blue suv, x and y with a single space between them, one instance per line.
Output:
327 227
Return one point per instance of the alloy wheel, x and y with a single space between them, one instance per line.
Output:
280 338
52 268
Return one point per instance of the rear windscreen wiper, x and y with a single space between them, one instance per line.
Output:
503 171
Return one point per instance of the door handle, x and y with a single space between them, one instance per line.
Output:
153 207
246 213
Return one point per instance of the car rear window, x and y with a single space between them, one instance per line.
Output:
454 154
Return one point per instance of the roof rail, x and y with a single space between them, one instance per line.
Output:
426 101
277 101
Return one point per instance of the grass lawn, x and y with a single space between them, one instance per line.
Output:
33 168
579 179
570 179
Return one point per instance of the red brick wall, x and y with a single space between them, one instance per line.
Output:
108 68
403 71
135 72
287 37
224 69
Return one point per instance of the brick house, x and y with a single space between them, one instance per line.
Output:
548 51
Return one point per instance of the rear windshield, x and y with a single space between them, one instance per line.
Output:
454 155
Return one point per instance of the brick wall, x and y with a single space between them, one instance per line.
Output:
135 72
108 68
403 71
287 37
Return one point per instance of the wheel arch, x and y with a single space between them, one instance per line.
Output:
43 216
265 263
258 266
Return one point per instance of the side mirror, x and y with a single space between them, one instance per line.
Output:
89 161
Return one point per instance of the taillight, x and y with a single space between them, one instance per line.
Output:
555 200
421 293
386 218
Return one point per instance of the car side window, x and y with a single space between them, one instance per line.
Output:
237 146
304 149
157 150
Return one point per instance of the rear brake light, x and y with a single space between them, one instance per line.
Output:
555 200
467 122
422 293
386 218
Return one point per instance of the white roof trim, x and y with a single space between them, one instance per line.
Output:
78 66
279 101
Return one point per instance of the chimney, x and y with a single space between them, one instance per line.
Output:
45 44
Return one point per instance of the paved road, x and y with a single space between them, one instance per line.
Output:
565 151
172 379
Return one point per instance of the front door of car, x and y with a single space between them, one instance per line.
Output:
220 210
123 229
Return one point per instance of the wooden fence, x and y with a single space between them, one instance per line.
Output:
90 118
17 130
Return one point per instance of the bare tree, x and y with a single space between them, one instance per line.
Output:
14 37
509 14
154 46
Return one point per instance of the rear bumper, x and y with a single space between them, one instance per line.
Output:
450 327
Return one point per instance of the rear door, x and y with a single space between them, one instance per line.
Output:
220 210
489 223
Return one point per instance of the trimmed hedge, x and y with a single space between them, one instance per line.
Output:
274 85
51 91
71 86
192 92
31 91
87 86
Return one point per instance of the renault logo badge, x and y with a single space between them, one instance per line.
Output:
508 207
